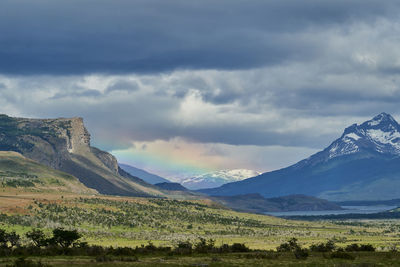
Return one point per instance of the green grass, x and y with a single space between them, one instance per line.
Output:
113 221
237 259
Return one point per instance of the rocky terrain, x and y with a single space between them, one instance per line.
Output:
64 144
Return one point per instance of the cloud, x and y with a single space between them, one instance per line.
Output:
123 85
234 74
150 36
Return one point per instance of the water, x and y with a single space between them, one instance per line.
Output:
347 210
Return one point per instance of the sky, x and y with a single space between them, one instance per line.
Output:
183 87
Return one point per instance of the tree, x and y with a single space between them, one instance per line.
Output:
3 238
65 238
13 238
37 237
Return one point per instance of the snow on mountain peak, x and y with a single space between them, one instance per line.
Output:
217 178
383 117
380 134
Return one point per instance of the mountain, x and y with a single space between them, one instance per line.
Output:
218 178
16 171
64 144
259 204
171 186
363 164
145 176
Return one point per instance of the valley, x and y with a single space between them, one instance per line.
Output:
81 188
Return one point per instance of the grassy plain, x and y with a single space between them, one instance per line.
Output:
124 221
361 259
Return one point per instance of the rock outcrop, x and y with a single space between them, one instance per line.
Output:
64 144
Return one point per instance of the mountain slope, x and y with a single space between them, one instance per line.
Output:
218 178
142 174
64 144
363 164
257 203
171 186
16 171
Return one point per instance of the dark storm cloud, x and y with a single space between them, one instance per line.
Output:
286 73
122 36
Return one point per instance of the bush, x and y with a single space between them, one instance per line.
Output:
301 253
239 247
13 239
184 248
204 246
342 255
356 247
327 247
37 237
289 246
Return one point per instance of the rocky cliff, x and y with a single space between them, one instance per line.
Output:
64 144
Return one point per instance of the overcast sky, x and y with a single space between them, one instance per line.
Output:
182 87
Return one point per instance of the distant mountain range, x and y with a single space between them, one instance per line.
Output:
217 178
144 175
363 164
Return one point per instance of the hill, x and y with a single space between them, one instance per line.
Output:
16 171
363 164
144 175
171 186
259 204
64 144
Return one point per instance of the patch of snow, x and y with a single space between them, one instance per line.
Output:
383 137
352 136
374 122
218 178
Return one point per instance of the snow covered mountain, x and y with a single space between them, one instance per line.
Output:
380 135
218 178
363 164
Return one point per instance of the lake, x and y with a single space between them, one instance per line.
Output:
347 210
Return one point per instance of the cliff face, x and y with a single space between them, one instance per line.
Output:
48 141
64 144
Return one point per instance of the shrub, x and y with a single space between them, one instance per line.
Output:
356 247
184 247
342 255
13 238
239 247
289 246
37 237
327 247
204 246
301 253
3 238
